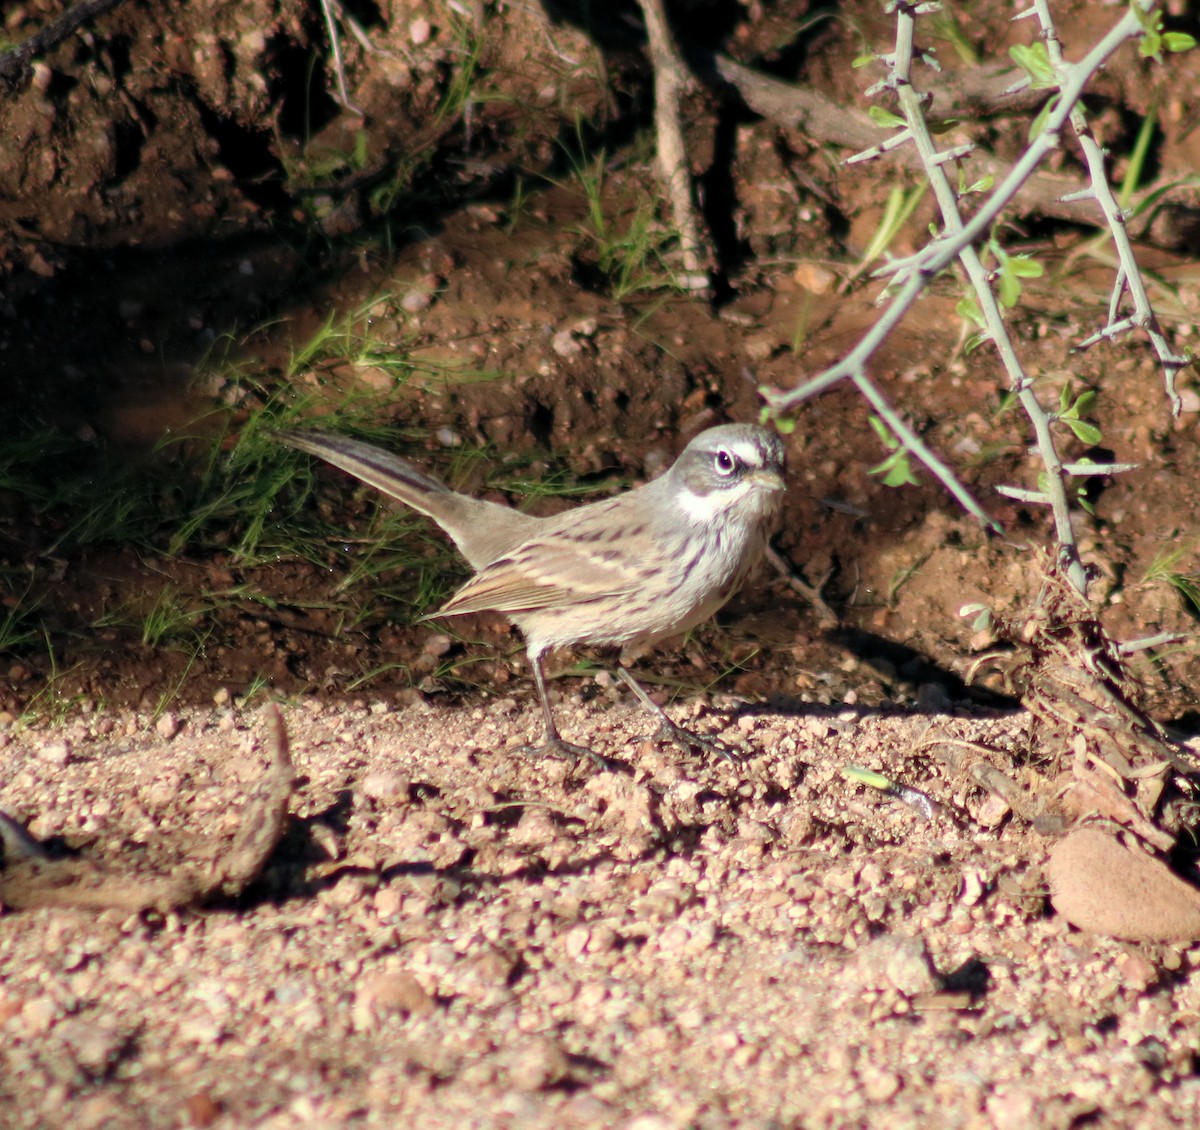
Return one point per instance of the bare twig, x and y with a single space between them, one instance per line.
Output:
14 64
814 594
335 47
1055 480
670 83
31 877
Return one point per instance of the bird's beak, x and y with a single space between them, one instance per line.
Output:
767 478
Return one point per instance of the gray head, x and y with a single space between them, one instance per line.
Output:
734 466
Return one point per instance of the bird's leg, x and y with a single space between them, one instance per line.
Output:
555 744
672 730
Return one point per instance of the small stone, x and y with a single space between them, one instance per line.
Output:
758 348
56 753
992 812
1136 972
576 941
386 784
393 993
897 962
168 725
437 645
94 1047
538 1065
419 31
201 1109
416 300
814 279
387 902
565 344
38 1014
1100 885
880 1086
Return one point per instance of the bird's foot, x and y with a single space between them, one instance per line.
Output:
555 746
696 743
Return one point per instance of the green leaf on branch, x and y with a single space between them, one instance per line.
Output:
1083 402
1154 40
968 310
895 469
1085 432
1072 409
885 118
1014 268
784 425
1039 123
983 184
1034 60
981 616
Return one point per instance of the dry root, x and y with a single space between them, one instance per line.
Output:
31 877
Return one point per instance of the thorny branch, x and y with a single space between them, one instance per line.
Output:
912 275
1129 277
1060 196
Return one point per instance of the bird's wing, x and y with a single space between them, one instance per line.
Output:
549 573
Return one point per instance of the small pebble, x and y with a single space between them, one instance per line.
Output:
56 753
168 725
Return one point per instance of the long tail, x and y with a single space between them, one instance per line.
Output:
373 465
483 531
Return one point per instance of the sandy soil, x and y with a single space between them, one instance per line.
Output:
450 933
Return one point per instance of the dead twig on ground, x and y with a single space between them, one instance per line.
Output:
1109 758
32 877
671 79
15 64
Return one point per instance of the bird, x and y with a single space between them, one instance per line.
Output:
620 573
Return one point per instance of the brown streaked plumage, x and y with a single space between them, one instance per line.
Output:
623 572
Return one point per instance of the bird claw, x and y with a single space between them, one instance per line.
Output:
688 739
569 751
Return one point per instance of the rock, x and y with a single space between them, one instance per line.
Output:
395 992
893 961
540 1064
56 753
168 725
385 784
1100 885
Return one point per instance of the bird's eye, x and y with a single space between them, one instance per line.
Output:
724 463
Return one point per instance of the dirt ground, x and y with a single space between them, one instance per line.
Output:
451 933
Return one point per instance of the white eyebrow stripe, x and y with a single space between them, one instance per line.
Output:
748 452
